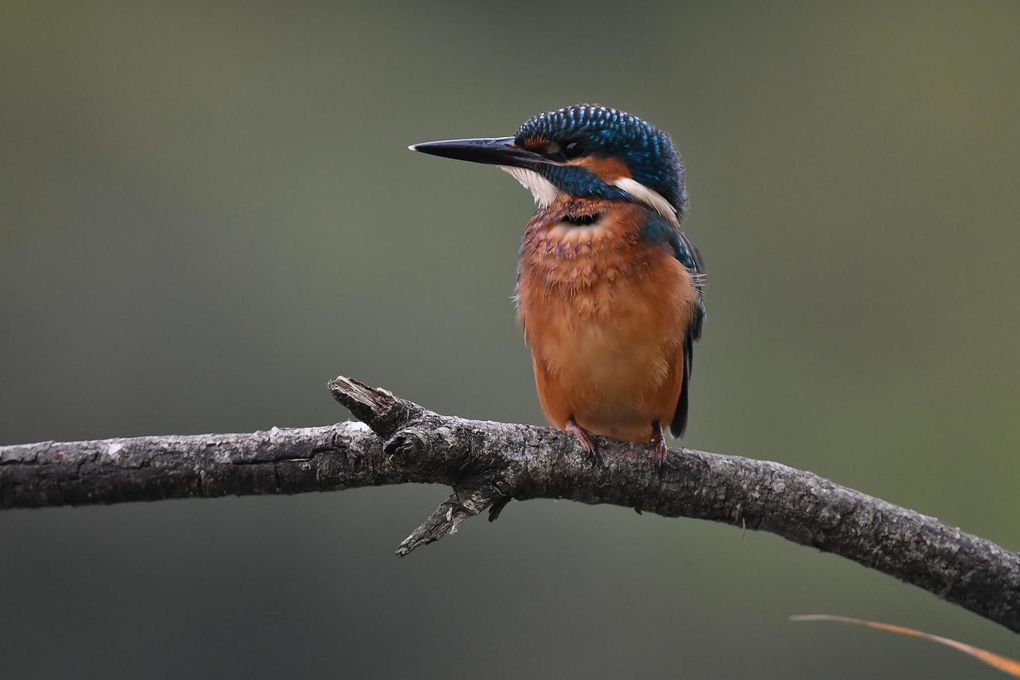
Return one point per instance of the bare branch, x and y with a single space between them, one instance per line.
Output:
461 505
489 463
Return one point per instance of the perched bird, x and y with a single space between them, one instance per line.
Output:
609 289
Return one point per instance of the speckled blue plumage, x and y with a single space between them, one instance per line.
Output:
647 150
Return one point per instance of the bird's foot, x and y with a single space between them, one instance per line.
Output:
659 447
587 442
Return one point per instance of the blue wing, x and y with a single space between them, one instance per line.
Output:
689 257
658 230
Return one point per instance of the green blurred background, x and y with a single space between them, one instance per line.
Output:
208 209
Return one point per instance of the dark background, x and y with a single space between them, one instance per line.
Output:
208 209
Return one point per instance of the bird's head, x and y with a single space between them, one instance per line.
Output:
583 151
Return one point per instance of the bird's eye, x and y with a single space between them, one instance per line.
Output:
573 149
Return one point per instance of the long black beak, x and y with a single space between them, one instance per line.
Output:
491 150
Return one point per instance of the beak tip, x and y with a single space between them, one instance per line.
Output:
412 147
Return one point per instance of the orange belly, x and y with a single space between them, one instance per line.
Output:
605 327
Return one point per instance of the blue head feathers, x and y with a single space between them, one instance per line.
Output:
583 139
587 151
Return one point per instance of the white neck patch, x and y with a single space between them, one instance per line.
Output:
653 199
544 191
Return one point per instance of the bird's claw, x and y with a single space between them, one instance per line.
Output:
659 447
587 442
660 462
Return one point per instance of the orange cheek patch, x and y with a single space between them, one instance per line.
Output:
537 144
606 169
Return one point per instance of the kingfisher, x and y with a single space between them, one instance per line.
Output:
609 288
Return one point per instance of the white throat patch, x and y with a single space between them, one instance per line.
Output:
544 191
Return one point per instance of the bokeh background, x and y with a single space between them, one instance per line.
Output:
208 209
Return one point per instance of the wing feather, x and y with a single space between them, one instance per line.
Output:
688 255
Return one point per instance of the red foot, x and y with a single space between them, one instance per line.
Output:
659 446
587 442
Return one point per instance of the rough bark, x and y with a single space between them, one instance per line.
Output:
487 464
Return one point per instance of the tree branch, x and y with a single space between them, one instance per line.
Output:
487 464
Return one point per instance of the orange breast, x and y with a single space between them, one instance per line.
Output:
604 314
